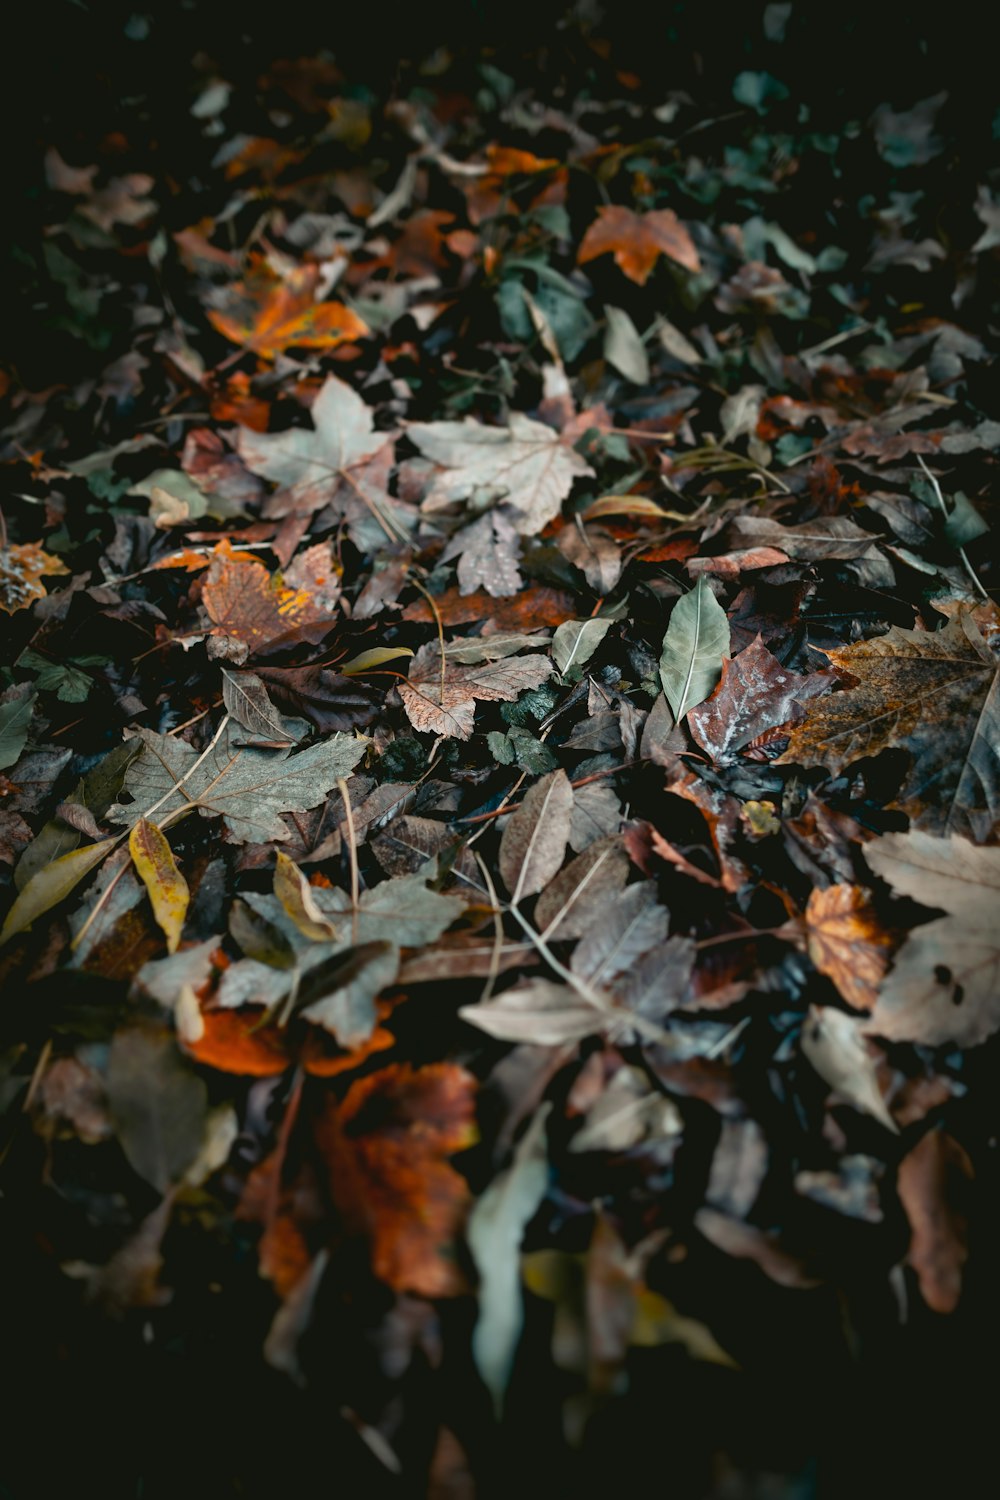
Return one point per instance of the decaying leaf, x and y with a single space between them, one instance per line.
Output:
158 1104
755 694
295 894
534 842
835 1045
638 240
933 693
847 942
21 570
448 706
167 889
931 1177
269 315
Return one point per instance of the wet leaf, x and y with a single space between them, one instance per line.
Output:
450 709
755 693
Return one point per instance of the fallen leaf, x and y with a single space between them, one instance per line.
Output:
52 884
387 1147
847 942
933 693
524 464
944 985
447 705
835 1045
158 1104
755 693
294 892
575 643
268 314
638 240
534 841
15 721
244 600
245 697
21 569
696 641
931 1177
157 868
494 1234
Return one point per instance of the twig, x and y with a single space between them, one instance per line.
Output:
342 787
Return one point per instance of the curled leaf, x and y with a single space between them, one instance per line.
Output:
298 902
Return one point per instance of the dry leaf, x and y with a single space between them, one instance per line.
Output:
534 841
449 707
167 889
847 942
638 240
21 569
928 1178
269 315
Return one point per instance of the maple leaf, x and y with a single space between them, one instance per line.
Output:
268 314
755 693
21 568
933 693
490 193
847 943
387 1147
341 461
447 704
945 982
487 552
524 464
243 600
638 240
248 787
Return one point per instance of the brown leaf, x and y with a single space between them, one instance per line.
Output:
638 240
756 693
930 1177
21 568
449 707
534 841
243 600
530 609
847 943
387 1147
933 693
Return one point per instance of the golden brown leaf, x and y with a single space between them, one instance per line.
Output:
269 315
847 943
21 568
167 888
386 1147
928 1179
638 240
244 600
933 693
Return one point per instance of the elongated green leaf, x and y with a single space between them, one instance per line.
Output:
575 642
697 639
15 719
168 890
52 885
495 1230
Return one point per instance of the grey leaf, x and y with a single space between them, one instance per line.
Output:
624 348
540 1012
627 928
159 1105
534 841
578 894
347 986
245 696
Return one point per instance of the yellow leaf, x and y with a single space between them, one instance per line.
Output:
295 894
168 890
376 657
51 885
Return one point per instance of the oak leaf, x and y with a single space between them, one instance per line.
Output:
268 314
387 1148
638 240
933 693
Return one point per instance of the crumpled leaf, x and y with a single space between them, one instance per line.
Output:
157 868
534 841
248 787
387 1148
638 240
269 314
452 711
524 464
52 884
696 641
934 693
944 985
755 693
245 697
847 942
494 1233
21 569
158 1104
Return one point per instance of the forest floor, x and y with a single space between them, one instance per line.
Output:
499 737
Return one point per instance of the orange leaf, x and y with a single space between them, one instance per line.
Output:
847 943
21 567
233 1042
386 1147
244 600
485 195
268 315
638 240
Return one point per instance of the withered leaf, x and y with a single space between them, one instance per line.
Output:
269 315
450 708
933 693
944 985
242 599
930 1181
158 1104
21 570
835 1045
294 892
534 842
165 885
52 884
755 693
847 942
638 240
578 894
245 696
340 994
387 1148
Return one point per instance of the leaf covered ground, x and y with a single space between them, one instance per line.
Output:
500 769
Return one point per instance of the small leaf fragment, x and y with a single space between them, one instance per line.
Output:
298 902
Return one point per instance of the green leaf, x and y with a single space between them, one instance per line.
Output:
495 1231
15 721
68 683
52 885
697 639
158 1103
964 524
575 642
623 346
